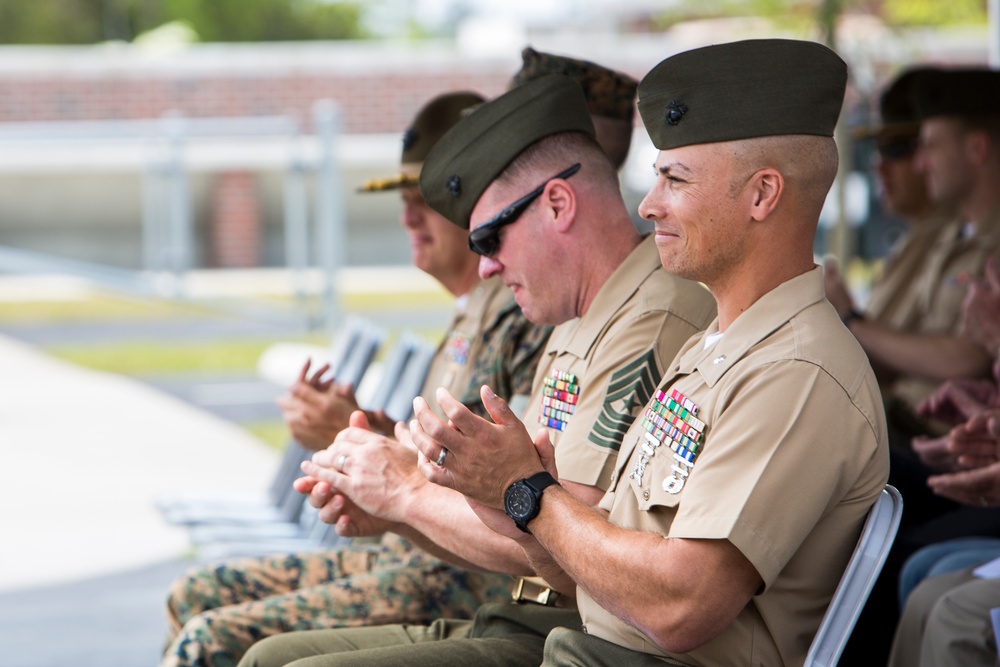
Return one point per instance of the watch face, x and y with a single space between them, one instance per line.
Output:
519 501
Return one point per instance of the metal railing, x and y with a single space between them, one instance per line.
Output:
162 149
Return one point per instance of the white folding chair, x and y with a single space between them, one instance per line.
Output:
858 579
401 378
399 407
406 365
352 352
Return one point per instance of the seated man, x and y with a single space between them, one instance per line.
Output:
946 620
737 498
960 158
405 584
217 612
912 317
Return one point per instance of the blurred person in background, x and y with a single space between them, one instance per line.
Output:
910 328
959 155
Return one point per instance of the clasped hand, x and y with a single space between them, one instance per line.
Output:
483 458
362 481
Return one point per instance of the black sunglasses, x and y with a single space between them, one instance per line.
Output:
485 239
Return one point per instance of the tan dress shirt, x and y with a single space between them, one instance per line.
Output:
775 440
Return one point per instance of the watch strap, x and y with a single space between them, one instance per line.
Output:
536 484
540 481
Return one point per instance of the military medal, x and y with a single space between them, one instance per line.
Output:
559 397
458 348
670 420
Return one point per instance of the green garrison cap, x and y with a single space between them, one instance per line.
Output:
897 111
754 88
609 93
473 153
957 92
432 121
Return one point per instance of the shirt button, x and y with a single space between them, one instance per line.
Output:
645 494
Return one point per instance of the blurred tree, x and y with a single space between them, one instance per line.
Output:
91 21
267 20
823 12
934 12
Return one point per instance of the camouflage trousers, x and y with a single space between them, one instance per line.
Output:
217 612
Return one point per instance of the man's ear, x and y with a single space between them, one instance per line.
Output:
766 189
978 144
559 199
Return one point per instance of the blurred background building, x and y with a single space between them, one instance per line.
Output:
178 134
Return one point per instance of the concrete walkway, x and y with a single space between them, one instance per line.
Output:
82 456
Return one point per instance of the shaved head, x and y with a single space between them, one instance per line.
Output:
808 164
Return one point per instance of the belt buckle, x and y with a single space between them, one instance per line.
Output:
541 595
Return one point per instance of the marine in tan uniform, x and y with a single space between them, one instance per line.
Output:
740 492
894 300
217 612
911 331
960 157
622 315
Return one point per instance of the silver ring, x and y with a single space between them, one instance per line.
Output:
444 453
341 460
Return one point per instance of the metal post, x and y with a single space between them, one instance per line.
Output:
179 203
331 232
153 219
296 220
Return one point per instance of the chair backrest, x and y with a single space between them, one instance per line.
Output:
402 376
391 371
400 405
354 364
351 354
858 579
345 341
287 471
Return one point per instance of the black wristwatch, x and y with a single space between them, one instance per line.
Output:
523 498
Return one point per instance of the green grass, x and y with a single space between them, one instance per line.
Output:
95 309
147 357
152 358
272 433
414 300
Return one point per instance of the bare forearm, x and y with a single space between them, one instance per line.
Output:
443 518
421 540
547 568
936 357
630 573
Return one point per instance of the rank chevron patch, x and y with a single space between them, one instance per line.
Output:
628 391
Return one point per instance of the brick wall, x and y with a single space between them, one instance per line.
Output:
368 105
235 224
376 93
